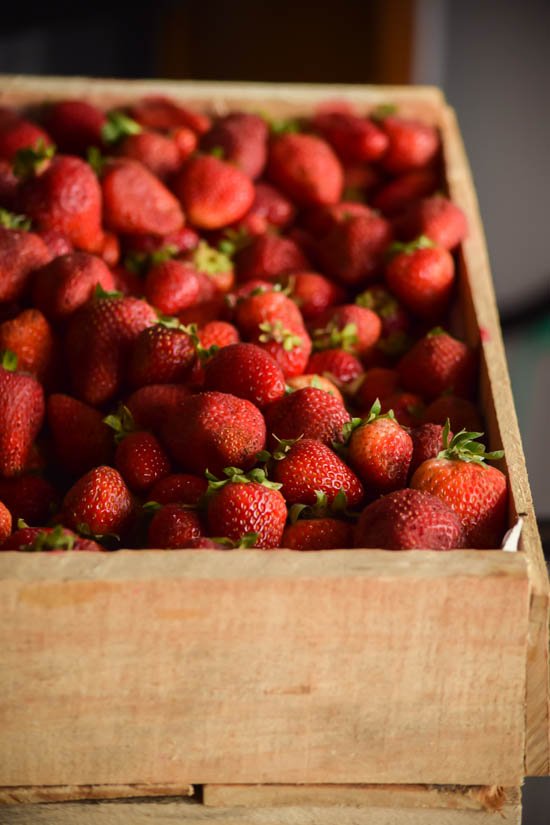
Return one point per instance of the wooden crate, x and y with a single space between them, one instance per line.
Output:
376 682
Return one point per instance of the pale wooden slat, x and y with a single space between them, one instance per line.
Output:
32 794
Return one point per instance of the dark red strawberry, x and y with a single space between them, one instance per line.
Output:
306 169
437 364
320 220
30 338
412 144
218 334
462 413
269 256
49 539
317 534
183 240
438 219
242 139
57 243
5 523
68 282
173 527
308 412
421 275
158 153
29 497
20 254
179 488
353 138
80 438
266 307
215 430
427 443
318 382
172 286
312 293
75 125
161 355
213 193
409 520
160 112
21 415
335 364
99 503
290 347
270 210
395 321
349 327
140 460
377 382
353 251
152 405
396 195
8 185
380 451
17 134
407 407
246 371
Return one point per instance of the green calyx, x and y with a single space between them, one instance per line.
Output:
100 293
397 248
436 331
217 152
58 539
284 126
111 539
383 110
278 333
119 126
375 414
9 360
234 475
332 337
210 260
322 507
122 423
32 160
354 194
141 262
379 301
284 445
9 220
395 344
244 543
464 446
96 160
233 241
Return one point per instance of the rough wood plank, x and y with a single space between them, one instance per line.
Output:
33 794
342 666
498 405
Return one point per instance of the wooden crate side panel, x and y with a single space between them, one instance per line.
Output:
346 666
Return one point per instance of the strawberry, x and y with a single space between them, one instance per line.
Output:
319 382
439 363
354 139
427 443
158 153
99 503
438 219
214 430
320 220
395 321
396 195
421 275
109 249
475 491
217 334
75 125
5 523
290 347
68 282
136 202
99 340
310 467
266 307
80 438
21 415
380 451
312 293
20 254
161 355
353 250
17 134
412 144
172 286
309 412
31 339
182 240
317 534
268 257
173 527
179 488
377 382
153 404
242 139
9 184
215 264
270 210
57 243
186 140
349 327
407 407
213 193
247 371
244 504
64 196
140 460
160 112
462 414
409 520
49 539
335 364
29 497
359 181
306 169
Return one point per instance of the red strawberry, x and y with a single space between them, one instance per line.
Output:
213 193
438 363
57 243
246 371
407 407
21 415
409 520
247 504
308 412
243 140
380 450
75 125
140 460
31 339
476 492
160 112
269 256
320 220
306 169
17 134
99 340
290 347
396 323
29 497
436 218
412 144
310 467
318 382
215 264
186 141
393 197
349 327
8 185
214 430
359 180
161 355
266 307
335 364
99 503
68 282
49 539
152 405
377 382
270 209
354 139
353 250
20 254
218 334
172 286
462 414
81 440
66 197
136 202
179 488
317 534
421 275
173 527
5 522
427 443
182 240
312 293
158 153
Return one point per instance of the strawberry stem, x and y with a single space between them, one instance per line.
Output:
32 160
9 220
210 260
119 126
464 446
9 360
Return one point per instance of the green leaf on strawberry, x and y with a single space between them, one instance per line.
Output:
96 160
9 220
464 446
32 160
57 539
398 247
122 422
278 333
9 360
332 337
118 126
210 260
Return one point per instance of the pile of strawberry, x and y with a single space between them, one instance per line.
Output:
232 332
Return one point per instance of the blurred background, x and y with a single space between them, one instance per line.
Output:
492 59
